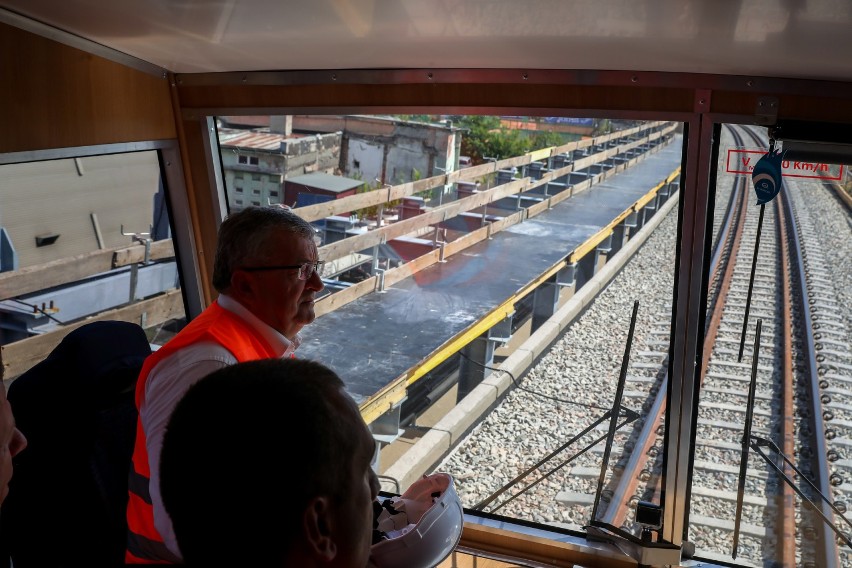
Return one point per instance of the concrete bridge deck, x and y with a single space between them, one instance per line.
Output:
375 341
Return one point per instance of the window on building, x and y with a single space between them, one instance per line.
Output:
242 159
273 193
238 189
253 160
238 176
256 177
256 191
255 203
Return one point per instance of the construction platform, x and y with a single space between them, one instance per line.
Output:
376 342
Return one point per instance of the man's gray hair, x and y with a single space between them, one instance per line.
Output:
244 234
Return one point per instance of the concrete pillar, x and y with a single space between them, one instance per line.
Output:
385 430
553 188
603 251
475 354
585 269
631 224
578 177
618 234
336 228
466 188
411 207
504 176
545 302
649 210
560 161
536 169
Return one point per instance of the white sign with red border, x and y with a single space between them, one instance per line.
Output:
742 161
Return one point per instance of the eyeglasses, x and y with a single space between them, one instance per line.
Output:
306 269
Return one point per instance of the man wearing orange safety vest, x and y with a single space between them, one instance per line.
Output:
267 274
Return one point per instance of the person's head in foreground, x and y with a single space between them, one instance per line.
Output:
267 463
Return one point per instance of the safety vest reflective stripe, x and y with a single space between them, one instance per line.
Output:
144 543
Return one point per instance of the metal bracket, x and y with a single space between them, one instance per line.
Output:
441 258
145 239
566 276
501 332
766 111
380 281
142 238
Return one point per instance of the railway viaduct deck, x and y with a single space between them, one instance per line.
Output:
385 341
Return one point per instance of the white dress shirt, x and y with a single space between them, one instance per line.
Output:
169 380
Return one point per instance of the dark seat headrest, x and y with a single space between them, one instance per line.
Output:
97 358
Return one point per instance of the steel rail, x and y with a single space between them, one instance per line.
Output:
827 552
728 240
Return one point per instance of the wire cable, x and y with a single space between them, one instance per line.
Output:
536 393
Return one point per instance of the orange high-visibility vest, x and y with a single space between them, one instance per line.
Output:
145 545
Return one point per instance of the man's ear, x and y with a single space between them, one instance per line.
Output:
242 286
317 526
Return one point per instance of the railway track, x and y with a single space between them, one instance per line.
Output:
772 522
825 360
723 403
803 401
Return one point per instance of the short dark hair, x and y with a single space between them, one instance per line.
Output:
246 450
243 234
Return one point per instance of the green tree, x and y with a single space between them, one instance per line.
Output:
484 136
602 127
545 139
373 210
363 188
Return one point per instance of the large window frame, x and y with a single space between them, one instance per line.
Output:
692 209
172 174
699 102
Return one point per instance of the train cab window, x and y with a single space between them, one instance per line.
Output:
773 430
84 236
501 314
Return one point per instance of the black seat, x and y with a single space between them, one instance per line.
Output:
68 496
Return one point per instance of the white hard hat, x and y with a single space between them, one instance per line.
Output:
434 518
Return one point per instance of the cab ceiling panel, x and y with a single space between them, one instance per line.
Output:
770 38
